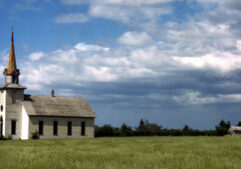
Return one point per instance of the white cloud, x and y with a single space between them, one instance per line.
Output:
129 14
135 38
133 2
118 2
36 55
74 2
72 18
238 45
195 97
89 47
209 1
224 62
199 43
110 12
103 74
85 62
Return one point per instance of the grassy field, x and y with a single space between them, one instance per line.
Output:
123 153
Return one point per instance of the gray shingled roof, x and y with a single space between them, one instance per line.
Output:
57 106
12 86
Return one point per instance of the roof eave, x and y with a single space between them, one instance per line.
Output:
37 115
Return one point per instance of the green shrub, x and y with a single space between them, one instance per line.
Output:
2 137
35 135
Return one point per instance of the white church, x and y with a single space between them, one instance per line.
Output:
51 116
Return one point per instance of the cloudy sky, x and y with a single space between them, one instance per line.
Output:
172 62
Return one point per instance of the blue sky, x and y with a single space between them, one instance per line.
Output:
172 62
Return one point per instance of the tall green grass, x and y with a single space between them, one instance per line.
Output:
123 153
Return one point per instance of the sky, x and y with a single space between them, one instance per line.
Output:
172 62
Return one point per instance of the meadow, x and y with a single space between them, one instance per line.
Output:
123 153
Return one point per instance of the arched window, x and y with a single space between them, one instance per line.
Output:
1 107
83 129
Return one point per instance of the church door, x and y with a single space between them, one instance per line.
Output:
1 126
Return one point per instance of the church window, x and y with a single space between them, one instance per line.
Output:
83 129
55 128
41 127
14 97
69 128
13 127
14 79
1 126
1 107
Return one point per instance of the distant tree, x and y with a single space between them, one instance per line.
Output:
222 128
141 125
224 124
239 123
148 129
141 129
153 128
116 132
186 128
126 130
97 131
105 130
145 128
210 132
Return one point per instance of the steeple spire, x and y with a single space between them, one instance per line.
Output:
12 67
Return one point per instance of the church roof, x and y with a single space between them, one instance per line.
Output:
12 66
12 86
57 106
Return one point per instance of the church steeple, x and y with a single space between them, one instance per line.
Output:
11 72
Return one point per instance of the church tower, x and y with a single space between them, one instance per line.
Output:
11 97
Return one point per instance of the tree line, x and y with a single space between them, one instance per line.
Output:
145 128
